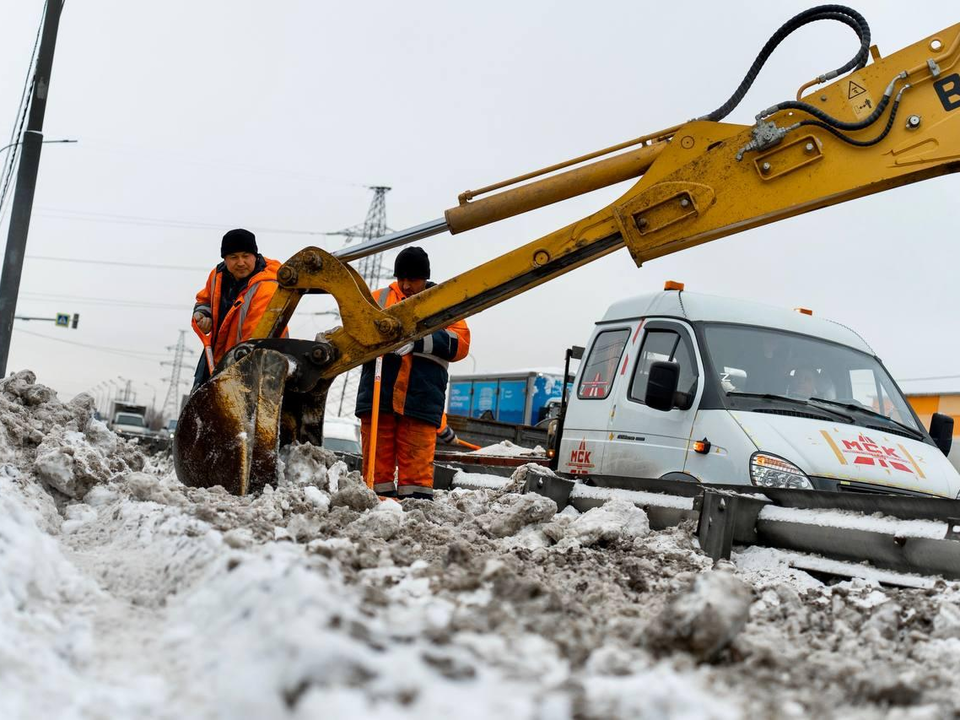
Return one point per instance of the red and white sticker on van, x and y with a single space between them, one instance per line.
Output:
580 462
864 451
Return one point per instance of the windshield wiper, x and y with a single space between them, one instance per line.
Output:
873 413
795 401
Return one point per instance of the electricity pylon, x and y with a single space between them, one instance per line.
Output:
372 271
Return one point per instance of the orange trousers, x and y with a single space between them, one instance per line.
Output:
405 448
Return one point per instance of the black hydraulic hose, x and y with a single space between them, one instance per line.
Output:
829 119
840 13
853 141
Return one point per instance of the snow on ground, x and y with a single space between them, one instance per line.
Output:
505 448
125 594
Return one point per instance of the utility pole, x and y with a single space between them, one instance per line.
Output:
370 267
26 181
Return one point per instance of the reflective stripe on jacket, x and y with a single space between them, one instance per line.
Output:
414 385
241 319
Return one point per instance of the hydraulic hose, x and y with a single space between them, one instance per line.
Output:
829 119
860 143
839 13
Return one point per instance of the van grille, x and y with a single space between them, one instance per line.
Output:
865 489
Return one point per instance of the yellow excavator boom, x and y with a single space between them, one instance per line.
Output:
885 124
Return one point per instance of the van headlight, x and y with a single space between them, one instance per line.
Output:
773 472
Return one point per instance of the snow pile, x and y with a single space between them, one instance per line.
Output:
505 448
704 620
125 594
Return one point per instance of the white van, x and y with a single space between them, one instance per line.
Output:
692 387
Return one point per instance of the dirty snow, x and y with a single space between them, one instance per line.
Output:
840 519
479 480
125 594
505 448
590 492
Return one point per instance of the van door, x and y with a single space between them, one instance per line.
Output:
644 442
585 426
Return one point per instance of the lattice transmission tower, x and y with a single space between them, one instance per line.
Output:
374 225
171 405
371 269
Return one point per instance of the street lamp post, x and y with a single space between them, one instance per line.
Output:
116 387
102 390
127 391
95 391
153 401
42 142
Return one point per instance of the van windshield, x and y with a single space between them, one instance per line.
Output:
766 362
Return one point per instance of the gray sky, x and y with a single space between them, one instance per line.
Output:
275 116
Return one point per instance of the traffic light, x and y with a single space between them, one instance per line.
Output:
76 319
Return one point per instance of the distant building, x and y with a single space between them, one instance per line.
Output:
925 403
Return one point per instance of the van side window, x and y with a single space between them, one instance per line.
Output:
664 345
600 368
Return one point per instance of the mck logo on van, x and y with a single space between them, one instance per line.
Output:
864 451
580 460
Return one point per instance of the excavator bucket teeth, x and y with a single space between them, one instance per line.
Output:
229 432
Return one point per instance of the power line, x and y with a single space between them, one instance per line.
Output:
934 377
120 263
126 149
132 354
16 133
83 216
113 302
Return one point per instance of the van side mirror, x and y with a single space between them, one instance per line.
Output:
941 430
662 385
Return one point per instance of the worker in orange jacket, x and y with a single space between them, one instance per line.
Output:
235 297
412 393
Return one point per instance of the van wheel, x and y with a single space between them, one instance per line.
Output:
680 477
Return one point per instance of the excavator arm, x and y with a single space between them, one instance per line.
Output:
886 124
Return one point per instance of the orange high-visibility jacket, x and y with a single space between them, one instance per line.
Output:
242 317
414 385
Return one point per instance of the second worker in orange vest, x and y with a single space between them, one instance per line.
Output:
412 393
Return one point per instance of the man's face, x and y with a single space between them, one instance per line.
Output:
412 286
804 383
240 264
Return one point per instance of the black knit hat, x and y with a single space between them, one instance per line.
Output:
412 264
238 240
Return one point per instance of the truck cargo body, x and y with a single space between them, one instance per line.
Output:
517 397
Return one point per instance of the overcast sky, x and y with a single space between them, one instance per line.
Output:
196 117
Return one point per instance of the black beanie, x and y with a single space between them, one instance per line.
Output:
412 263
238 240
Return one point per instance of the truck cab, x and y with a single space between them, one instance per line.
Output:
130 425
699 388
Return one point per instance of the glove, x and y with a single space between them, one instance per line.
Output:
447 435
404 350
204 321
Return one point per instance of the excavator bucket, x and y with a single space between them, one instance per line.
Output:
229 431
